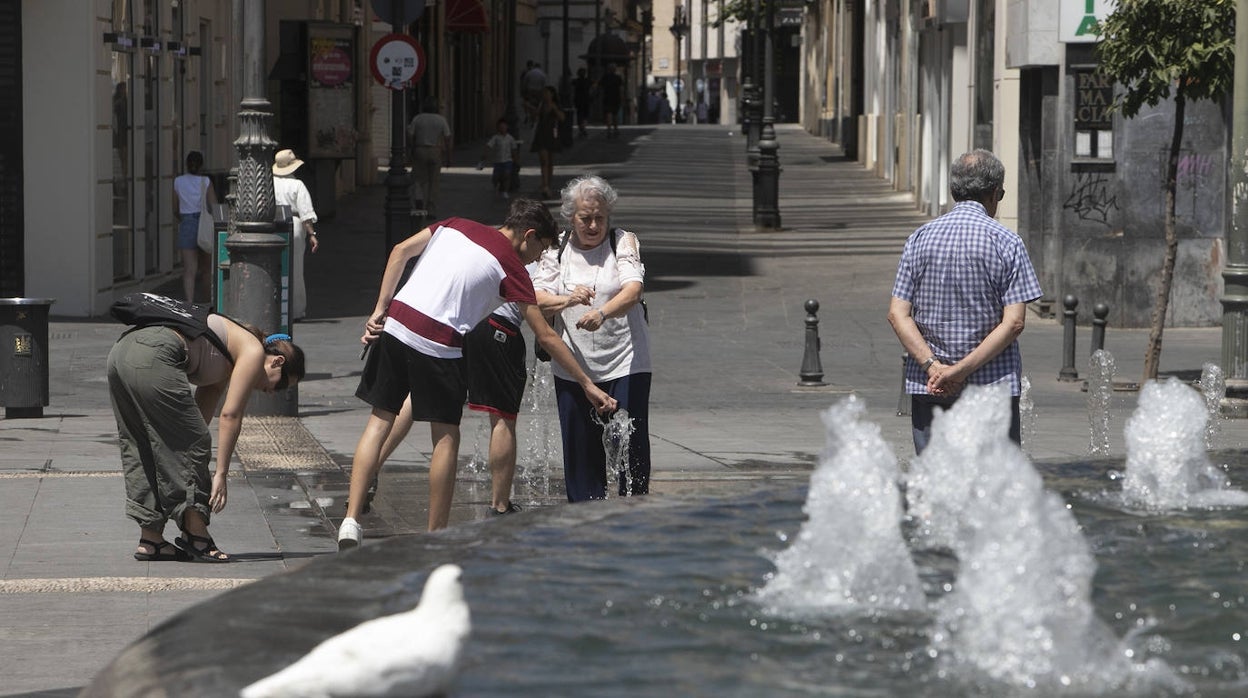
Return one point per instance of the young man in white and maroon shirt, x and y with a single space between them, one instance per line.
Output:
465 270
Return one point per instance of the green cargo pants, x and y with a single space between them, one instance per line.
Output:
165 444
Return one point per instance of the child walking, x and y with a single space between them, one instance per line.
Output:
503 150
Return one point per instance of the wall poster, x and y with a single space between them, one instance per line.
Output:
332 78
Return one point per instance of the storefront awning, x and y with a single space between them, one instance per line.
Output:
466 16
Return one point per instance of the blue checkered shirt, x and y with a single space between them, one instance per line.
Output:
959 272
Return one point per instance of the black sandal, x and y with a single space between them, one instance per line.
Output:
177 554
200 549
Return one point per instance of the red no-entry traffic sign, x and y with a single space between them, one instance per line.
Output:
397 61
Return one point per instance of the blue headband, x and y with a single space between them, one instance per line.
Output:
276 337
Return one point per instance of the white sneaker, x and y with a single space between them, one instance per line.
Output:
349 535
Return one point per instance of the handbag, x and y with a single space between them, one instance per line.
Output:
206 238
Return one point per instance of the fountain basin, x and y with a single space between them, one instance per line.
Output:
654 596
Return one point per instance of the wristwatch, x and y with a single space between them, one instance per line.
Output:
927 364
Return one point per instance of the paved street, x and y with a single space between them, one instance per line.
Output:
727 319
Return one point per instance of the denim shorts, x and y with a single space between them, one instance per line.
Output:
188 232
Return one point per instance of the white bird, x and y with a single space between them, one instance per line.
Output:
415 653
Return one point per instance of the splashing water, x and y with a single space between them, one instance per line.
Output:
1020 611
617 436
1100 396
1167 466
1026 412
1213 387
850 552
538 427
478 463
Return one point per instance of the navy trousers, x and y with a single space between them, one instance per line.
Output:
584 458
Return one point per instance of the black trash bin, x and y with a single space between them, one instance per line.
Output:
24 356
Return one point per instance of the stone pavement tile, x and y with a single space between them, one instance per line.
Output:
64 639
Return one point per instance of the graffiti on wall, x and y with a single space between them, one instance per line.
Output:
1091 197
1196 176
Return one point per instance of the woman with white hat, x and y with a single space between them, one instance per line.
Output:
290 191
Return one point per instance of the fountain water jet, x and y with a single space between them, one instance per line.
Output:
1167 466
539 432
1100 396
1020 611
1026 412
1213 387
850 552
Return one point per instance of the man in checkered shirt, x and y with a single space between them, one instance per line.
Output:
960 298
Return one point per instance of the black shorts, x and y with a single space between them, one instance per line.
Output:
494 364
394 370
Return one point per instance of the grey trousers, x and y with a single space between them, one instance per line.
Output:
165 444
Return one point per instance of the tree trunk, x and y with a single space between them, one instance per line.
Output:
1152 356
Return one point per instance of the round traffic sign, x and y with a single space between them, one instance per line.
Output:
397 61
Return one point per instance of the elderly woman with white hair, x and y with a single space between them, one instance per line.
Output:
591 283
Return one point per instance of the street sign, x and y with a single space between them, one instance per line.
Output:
1077 19
412 10
397 61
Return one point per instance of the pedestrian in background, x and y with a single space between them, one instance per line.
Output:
191 191
162 424
533 84
611 88
503 151
429 139
464 271
546 137
290 191
960 298
592 283
582 88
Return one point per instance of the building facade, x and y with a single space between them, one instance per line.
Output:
104 98
907 85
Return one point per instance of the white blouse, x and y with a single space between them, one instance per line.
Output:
620 347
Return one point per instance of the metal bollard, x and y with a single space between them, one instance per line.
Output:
903 400
812 370
1100 311
1068 372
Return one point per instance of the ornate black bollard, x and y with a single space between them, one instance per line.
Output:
1068 372
812 369
1100 311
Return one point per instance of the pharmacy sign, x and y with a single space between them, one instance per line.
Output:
1078 19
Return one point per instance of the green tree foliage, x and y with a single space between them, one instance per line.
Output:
1168 49
738 10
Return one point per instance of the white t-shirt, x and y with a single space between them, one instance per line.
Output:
428 129
465 271
501 146
619 348
191 190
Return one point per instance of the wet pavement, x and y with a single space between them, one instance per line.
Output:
728 331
